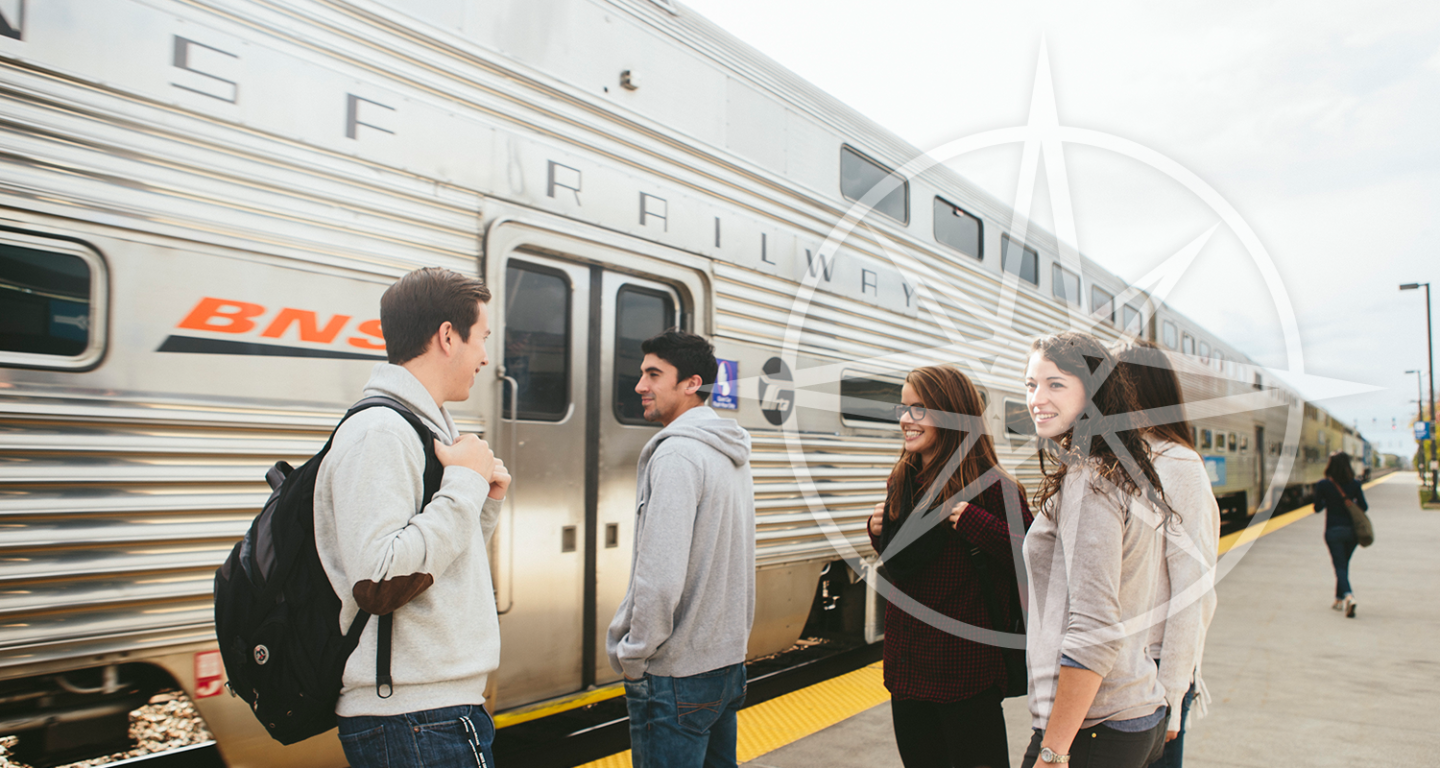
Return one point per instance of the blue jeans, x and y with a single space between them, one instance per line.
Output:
1175 750
449 736
1341 541
685 722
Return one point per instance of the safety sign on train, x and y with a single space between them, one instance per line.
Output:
723 394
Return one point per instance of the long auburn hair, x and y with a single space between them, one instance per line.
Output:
1111 416
955 406
1157 390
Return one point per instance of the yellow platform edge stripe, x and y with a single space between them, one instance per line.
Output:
783 720
556 706
1253 532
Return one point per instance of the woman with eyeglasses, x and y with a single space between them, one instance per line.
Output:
1185 594
1092 558
952 520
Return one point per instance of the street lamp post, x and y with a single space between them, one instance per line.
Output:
1430 350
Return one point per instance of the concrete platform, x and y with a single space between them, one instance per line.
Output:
1292 680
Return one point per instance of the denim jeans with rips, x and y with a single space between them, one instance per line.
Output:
449 736
685 722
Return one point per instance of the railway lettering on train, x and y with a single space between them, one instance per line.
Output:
202 201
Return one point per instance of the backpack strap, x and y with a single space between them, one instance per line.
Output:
384 685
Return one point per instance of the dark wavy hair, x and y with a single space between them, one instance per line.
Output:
1339 470
958 411
1156 388
1107 436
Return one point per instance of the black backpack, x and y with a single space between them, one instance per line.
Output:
276 616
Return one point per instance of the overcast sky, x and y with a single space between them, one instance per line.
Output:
1319 123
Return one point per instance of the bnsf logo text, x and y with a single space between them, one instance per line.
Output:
236 318
230 316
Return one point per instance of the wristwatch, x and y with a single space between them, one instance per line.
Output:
1048 755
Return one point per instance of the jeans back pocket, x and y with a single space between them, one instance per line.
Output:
700 699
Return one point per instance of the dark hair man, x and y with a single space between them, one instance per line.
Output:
431 570
679 637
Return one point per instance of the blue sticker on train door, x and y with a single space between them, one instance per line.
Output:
723 394
1215 468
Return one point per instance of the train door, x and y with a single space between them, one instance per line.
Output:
571 429
1259 454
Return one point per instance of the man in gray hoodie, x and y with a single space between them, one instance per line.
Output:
680 635
385 553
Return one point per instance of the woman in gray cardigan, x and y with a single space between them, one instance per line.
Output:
1093 557
1187 576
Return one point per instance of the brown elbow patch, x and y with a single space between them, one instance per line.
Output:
385 597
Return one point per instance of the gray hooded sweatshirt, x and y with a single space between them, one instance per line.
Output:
691 599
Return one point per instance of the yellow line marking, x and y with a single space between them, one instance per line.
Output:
556 706
772 724
1251 533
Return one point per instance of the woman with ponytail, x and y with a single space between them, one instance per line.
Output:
950 511
1092 558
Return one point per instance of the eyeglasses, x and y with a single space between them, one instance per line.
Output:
917 412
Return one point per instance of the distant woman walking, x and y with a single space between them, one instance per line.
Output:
1330 494
946 689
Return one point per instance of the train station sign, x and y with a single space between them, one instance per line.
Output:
1423 431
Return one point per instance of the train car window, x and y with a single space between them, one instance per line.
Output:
639 314
1205 352
51 304
868 398
1102 304
1065 284
1131 319
957 229
1232 442
1019 427
1169 336
1187 344
859 174
1205 439
1019 260
1244 443
1259 383
1195 436
537 341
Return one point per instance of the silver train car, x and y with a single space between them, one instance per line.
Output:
201 202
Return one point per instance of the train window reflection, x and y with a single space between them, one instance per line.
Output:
1204 353
1019 260
1132 321
1065 284
957 229
1187 344
1169 335
1018 424
44 302
537 341
1102 304
639 314
868 398
1205 439
859 174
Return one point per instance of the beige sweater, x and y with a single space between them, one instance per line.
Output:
384 553
1092 563
1185 597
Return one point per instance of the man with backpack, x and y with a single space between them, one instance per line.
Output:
680 635
422 567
